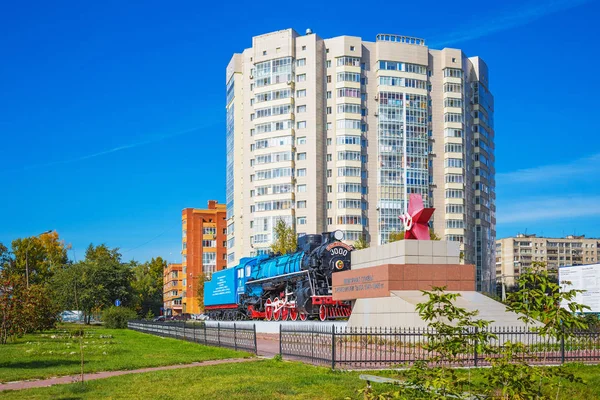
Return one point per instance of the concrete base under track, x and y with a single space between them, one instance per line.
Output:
273 326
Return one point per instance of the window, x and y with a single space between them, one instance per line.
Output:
349 171
348 61
454 178
453 133
328 78
348 108
301 109
264 53
452 88
348 77
329 189
329 221
209 243
303 48
348 139
349 188
328 110
399 66
328 141
453 117
453 163
301 140
350 203
348 124
301 62
348 92
301 78
329 125
301 93
349 219
453 102
301 124
329 204
328 63
301 204
453 148
301 220
301 189
274 110
209 230
329 157
455 194
455 209
349 155
301 156
351 48
301 172
455 223
453 72
273 95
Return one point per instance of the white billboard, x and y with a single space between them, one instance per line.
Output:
583 277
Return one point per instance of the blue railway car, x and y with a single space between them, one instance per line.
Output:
292 286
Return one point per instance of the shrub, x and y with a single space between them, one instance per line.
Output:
117 317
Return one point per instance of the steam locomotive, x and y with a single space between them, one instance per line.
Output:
286 287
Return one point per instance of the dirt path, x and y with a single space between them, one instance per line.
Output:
108 374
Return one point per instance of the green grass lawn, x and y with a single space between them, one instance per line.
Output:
261 379
56 353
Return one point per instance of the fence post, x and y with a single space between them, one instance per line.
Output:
476 344
183 325
280 353
219 333
204 327
194 327
562 345
234 338
255 347
333 347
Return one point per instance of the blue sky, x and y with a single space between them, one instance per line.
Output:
112 116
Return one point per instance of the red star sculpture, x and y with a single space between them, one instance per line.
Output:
416 219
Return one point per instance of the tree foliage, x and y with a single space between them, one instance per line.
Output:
117 317
147 286
42 256
200 292
399 235
95 282
285 238
361 243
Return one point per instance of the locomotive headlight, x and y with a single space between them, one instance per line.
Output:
338 235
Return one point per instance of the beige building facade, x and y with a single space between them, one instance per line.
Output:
335 134
517 254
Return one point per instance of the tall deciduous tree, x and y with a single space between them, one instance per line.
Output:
42 256
285 238
147 286
99 280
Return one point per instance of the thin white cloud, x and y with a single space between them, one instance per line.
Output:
548 208
524 15
152 139
586 168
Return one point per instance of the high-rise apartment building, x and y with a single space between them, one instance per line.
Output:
204 240
336 133
517 254
172 290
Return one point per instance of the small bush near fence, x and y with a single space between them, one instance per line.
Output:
117 317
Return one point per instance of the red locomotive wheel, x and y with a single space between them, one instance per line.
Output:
276 313
285 314
322 312
294 314
303 316
268 310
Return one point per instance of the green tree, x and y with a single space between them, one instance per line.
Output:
42 256
399 235
99 280
200 293
361 243
147 286
285 238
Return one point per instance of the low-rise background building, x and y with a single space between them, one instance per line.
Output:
172 290
204 249
515 254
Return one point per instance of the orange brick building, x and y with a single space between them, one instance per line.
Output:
204 242
172 289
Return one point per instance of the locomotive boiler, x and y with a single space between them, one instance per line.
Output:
287 287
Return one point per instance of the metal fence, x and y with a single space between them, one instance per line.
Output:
385 348
234 337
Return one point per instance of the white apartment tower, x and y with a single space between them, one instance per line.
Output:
334 134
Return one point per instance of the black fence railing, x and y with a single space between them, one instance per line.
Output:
385 348
231 336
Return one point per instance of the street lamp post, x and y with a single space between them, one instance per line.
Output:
27 257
